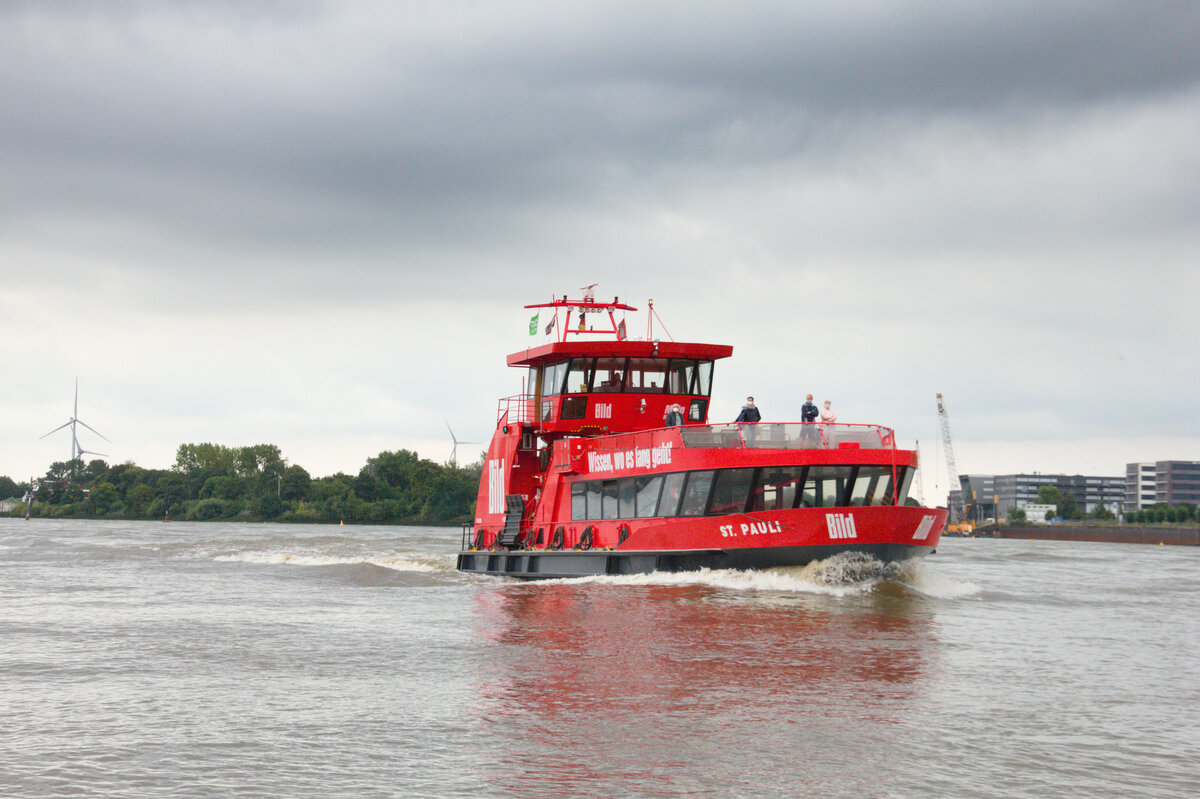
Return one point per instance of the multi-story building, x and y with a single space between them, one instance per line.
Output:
1162 483
1177 482
993 496
1139 486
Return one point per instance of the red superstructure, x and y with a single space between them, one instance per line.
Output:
584 477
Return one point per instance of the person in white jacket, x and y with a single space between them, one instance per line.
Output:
827 414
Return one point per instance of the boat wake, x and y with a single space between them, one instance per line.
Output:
845 574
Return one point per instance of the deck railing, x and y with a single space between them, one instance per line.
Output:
787 435
519 408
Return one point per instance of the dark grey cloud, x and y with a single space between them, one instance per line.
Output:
975 198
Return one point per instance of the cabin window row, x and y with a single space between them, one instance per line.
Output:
716 492
635 375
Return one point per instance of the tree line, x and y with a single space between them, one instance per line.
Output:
212 481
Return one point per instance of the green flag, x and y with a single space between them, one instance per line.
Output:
533 323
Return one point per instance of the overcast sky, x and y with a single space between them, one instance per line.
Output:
315 224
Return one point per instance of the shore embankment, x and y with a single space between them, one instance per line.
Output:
1110 534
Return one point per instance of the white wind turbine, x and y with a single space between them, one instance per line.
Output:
454 449
77 451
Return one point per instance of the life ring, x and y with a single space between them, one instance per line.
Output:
478 543
556 542
585 540
623 533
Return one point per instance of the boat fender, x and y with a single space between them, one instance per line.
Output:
556 542
623 533
585 540
478 543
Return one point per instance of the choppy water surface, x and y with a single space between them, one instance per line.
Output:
150 660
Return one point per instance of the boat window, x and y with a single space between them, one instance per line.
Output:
609 498
594 492
553 380
547 410
703 378
609 374
695 493
729 491
826 486
579 502
646 376
904 475
647 489
579 376
671 493
533 382
776 488
626 492
680 375
697 410
574 408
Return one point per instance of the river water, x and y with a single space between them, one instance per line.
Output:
142 659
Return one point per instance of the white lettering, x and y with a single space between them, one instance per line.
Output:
496 486
840 525
604 410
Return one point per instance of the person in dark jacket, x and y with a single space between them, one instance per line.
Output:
674 416
809 410
749 412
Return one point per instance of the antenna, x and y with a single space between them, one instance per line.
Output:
77 451
454 449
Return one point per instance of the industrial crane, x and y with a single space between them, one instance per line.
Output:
956 512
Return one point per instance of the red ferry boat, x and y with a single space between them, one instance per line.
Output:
582 476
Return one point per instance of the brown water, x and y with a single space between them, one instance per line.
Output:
143 659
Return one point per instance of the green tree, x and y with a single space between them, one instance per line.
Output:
104 498
1017 516
268 506
8 488
296 484
222 488
209 509
138 499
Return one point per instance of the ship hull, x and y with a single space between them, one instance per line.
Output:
548 564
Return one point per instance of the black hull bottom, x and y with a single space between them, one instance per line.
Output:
545 565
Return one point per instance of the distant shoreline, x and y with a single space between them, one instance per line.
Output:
1105 534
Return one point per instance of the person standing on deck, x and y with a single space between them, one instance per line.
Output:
827 414
749 412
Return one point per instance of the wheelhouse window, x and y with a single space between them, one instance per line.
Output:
579 376
646 376
554 374
609 374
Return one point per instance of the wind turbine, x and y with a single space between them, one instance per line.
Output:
77 451
454 450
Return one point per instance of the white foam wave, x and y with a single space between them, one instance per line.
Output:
850 574
919 578
393 562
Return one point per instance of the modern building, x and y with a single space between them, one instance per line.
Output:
1139 486
994 495
1162 483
